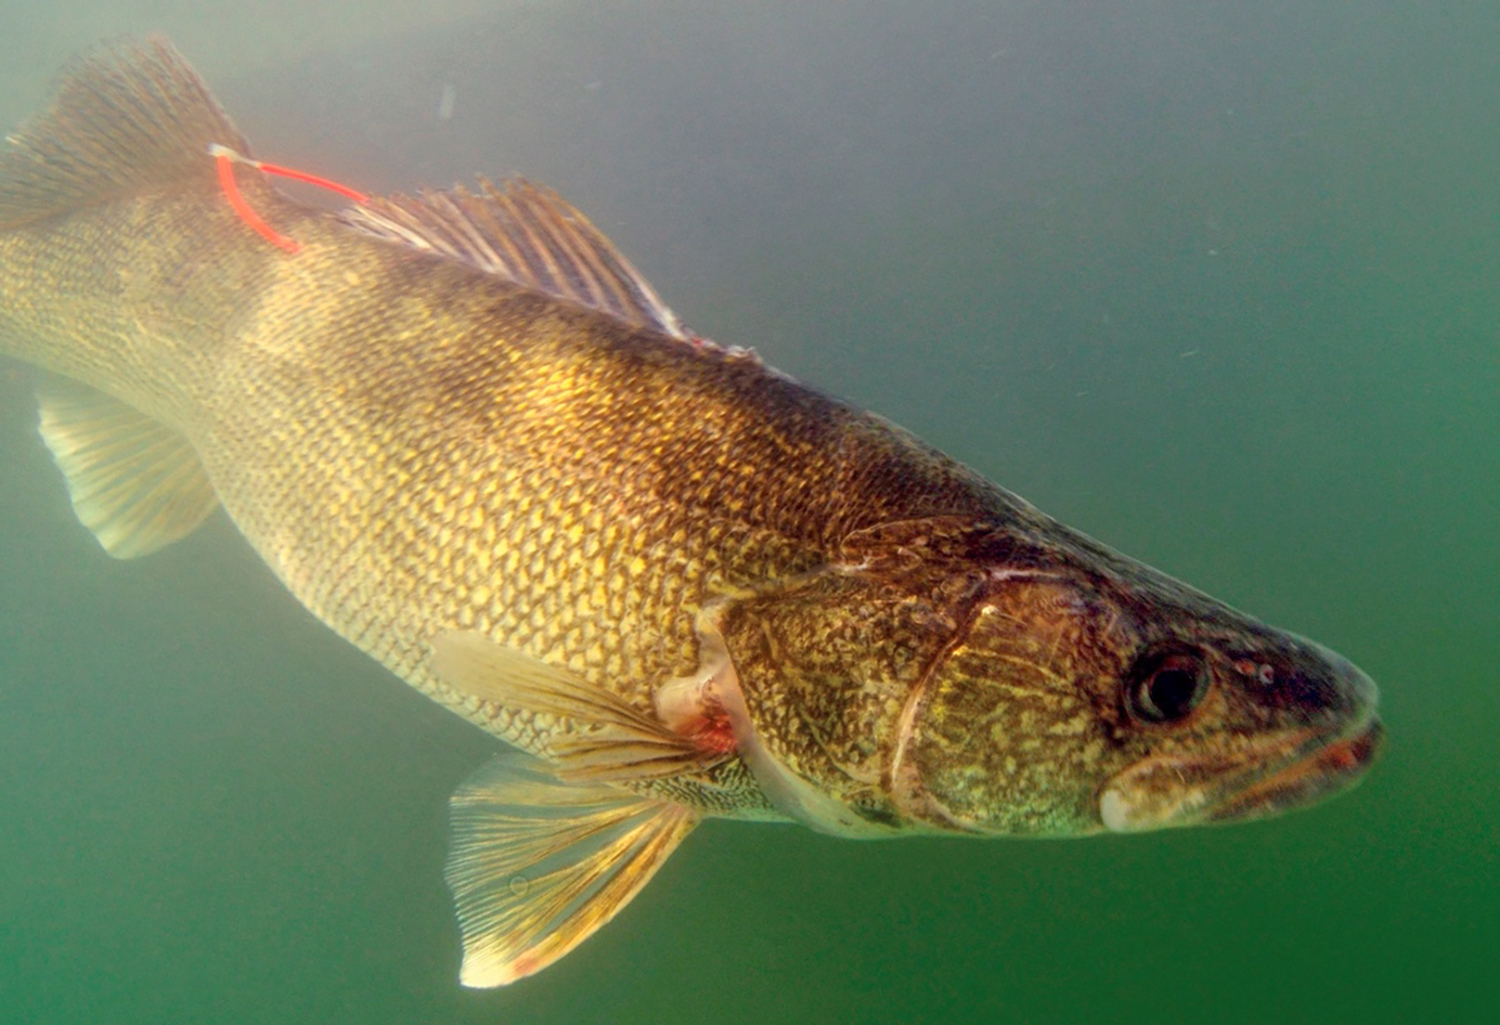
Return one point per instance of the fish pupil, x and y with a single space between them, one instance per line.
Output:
1171 689
1172 692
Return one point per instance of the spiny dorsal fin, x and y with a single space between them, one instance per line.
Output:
537 864
132 116
614 741
136 484
526 234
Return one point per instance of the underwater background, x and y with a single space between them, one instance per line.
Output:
1217 283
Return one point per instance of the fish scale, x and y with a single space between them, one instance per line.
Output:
530 431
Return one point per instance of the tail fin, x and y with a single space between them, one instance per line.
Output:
132 116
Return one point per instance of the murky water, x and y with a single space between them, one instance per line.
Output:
1216 283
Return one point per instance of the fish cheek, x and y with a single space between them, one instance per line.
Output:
1014 734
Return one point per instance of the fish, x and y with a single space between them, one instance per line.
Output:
673 583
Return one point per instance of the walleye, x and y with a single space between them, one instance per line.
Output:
467 435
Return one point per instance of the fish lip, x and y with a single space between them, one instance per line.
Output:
1324 766
1288 770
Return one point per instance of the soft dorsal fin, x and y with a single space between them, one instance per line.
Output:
538 864
615 742
135 483
130 117
527 234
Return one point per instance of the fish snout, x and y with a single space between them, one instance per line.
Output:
1356 692
1315 687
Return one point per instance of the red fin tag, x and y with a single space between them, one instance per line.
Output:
231 189
226 158
311 179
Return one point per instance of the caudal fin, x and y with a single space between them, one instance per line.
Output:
130 117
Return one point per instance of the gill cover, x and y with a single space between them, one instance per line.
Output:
822 670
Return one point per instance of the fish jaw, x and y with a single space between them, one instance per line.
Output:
1329 769
1276 774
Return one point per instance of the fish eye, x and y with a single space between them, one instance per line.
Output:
1169 688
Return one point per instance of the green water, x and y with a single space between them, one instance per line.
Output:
1218 283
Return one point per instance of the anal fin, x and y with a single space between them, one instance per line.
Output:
137 484
537 864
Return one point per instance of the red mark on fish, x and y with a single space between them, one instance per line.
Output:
226 158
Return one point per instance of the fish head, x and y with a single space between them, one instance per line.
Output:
1085 692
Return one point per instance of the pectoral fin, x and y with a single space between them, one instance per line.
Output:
717 696
612 740
538 863
137 484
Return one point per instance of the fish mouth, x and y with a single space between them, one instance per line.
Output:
1289 770
1331 766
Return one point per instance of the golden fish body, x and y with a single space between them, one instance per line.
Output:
469 438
